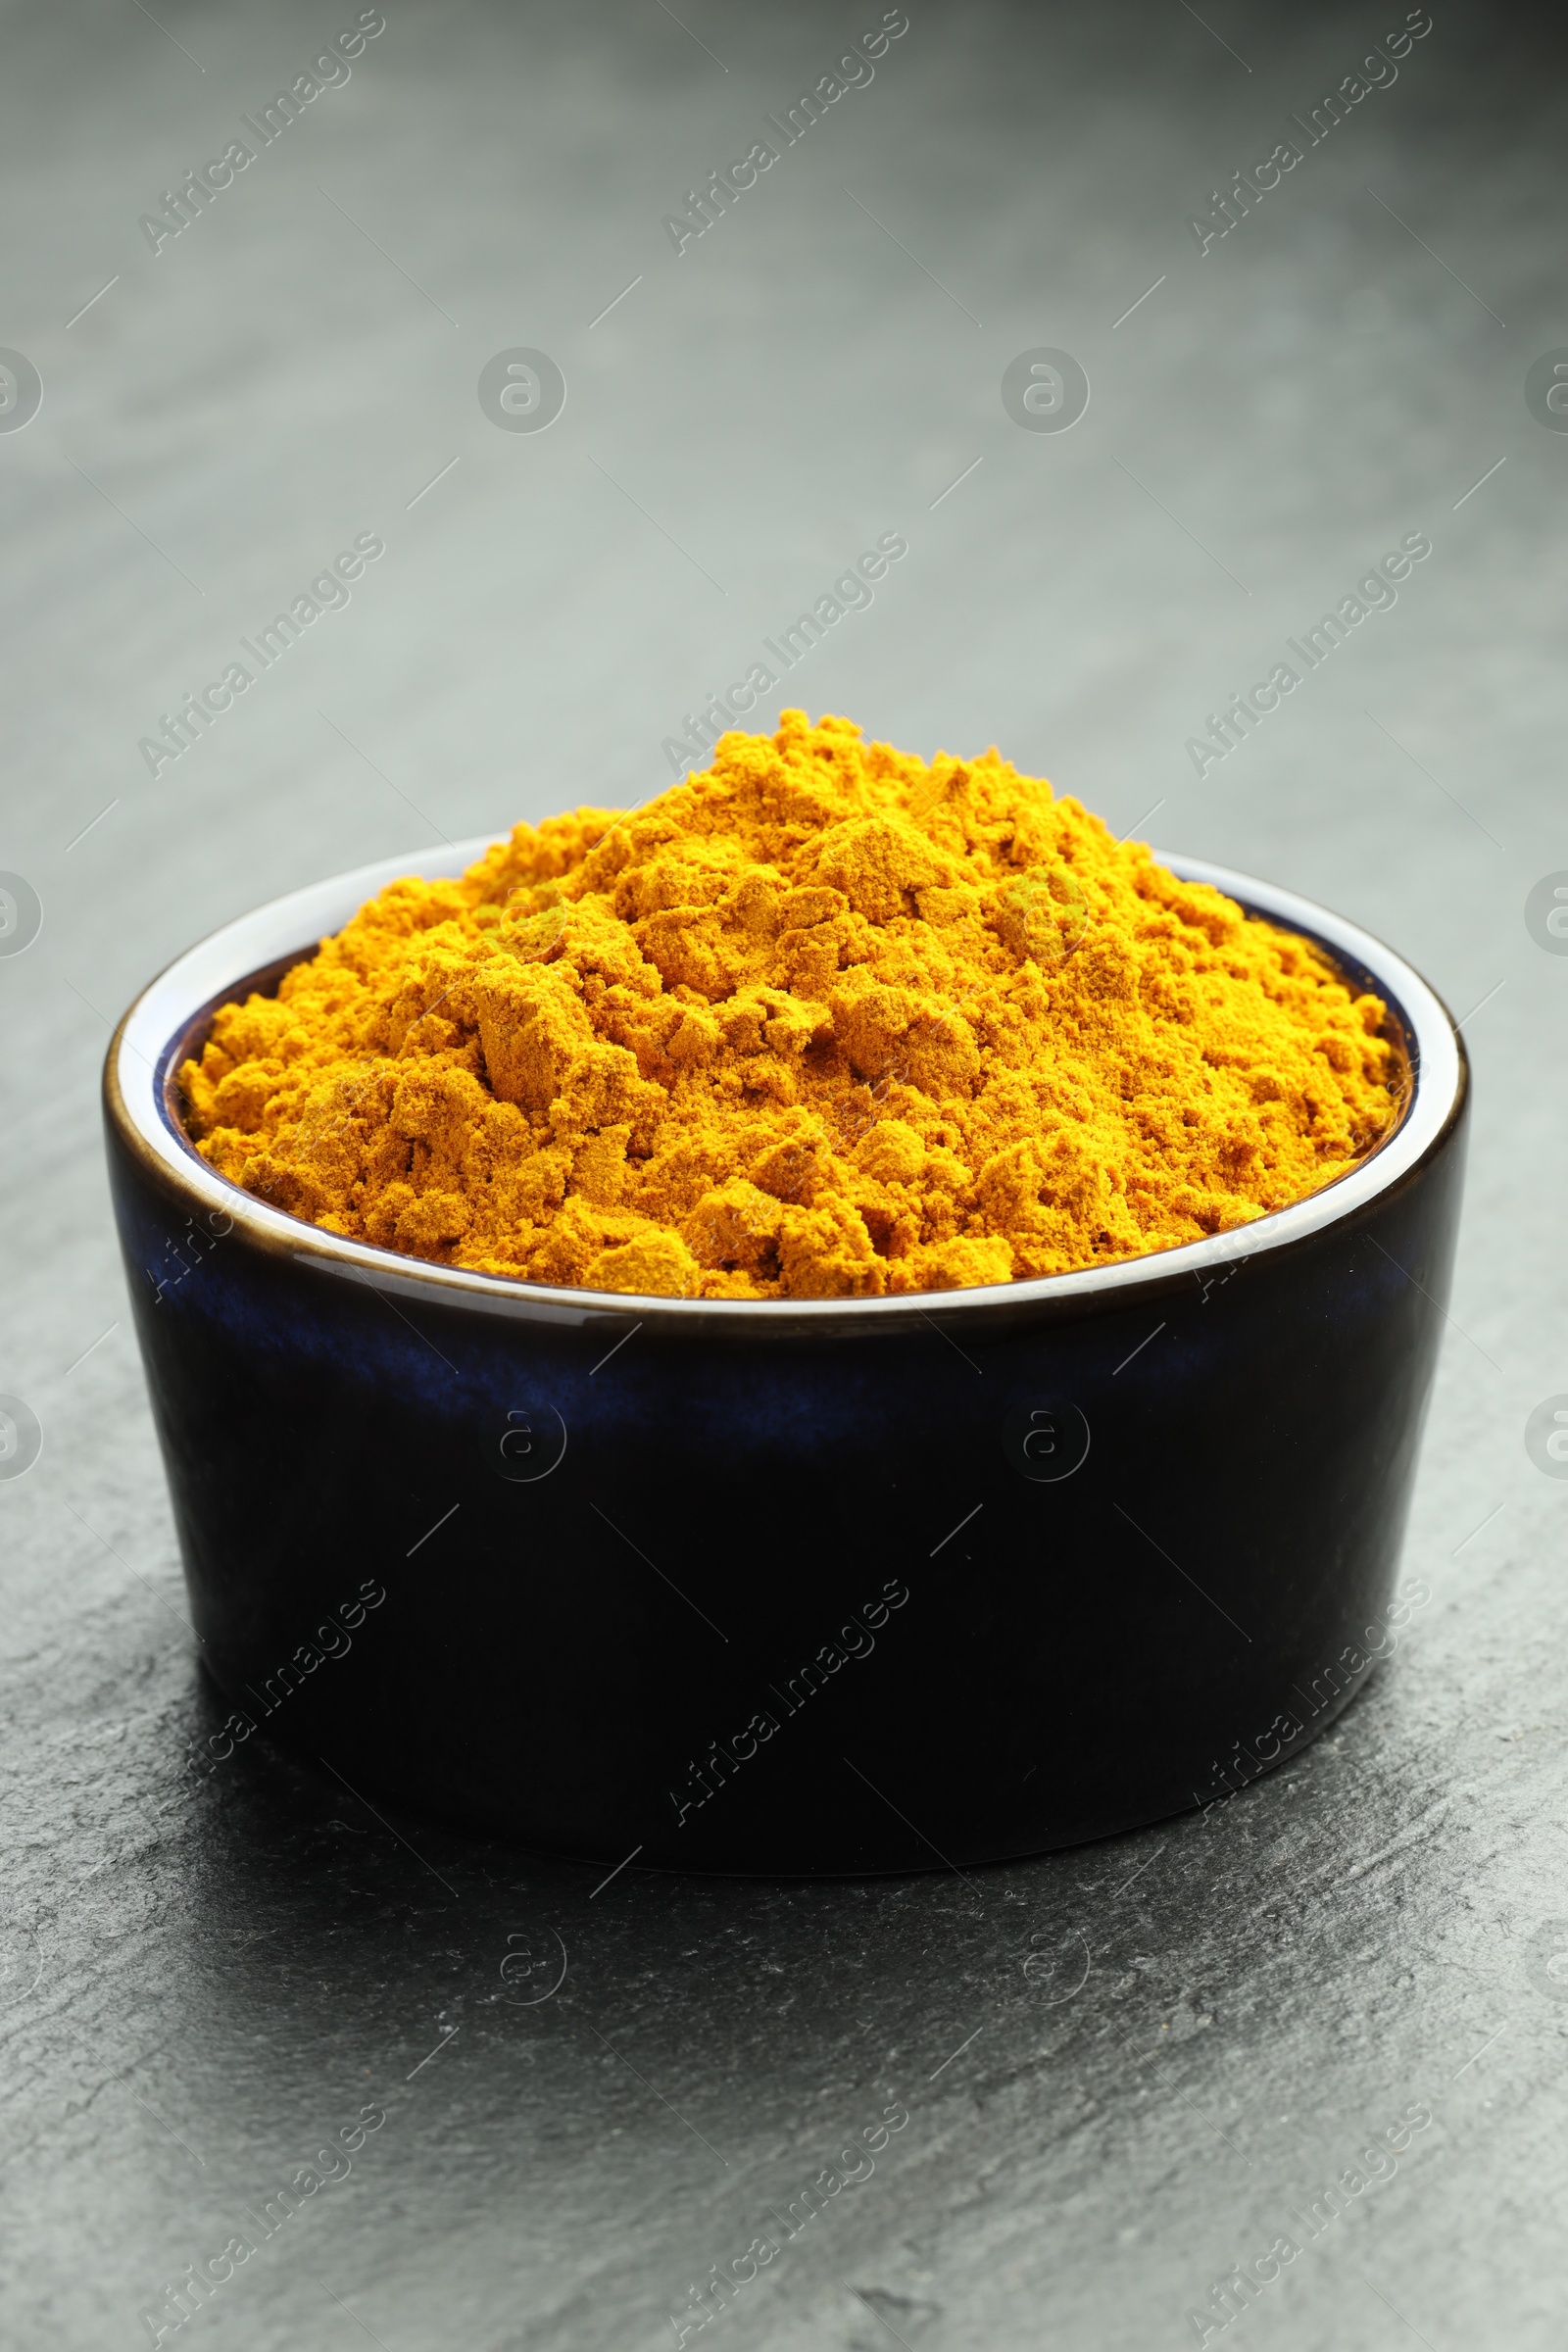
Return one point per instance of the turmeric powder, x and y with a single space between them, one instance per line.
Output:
821 1023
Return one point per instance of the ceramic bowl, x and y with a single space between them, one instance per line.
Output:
794 1586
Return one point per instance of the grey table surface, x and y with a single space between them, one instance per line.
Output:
1128 2068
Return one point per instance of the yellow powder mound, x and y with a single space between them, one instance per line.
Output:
824 1022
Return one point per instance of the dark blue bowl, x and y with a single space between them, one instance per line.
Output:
790 1587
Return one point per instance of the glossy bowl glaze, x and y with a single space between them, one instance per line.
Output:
806 1586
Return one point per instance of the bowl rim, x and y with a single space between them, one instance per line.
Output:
288 928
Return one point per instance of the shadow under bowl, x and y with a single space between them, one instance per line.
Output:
790 1587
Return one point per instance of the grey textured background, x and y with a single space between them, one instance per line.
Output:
1176 2039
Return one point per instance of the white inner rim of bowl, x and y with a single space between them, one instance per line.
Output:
295 923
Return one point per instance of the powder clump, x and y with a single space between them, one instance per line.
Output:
822 1022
